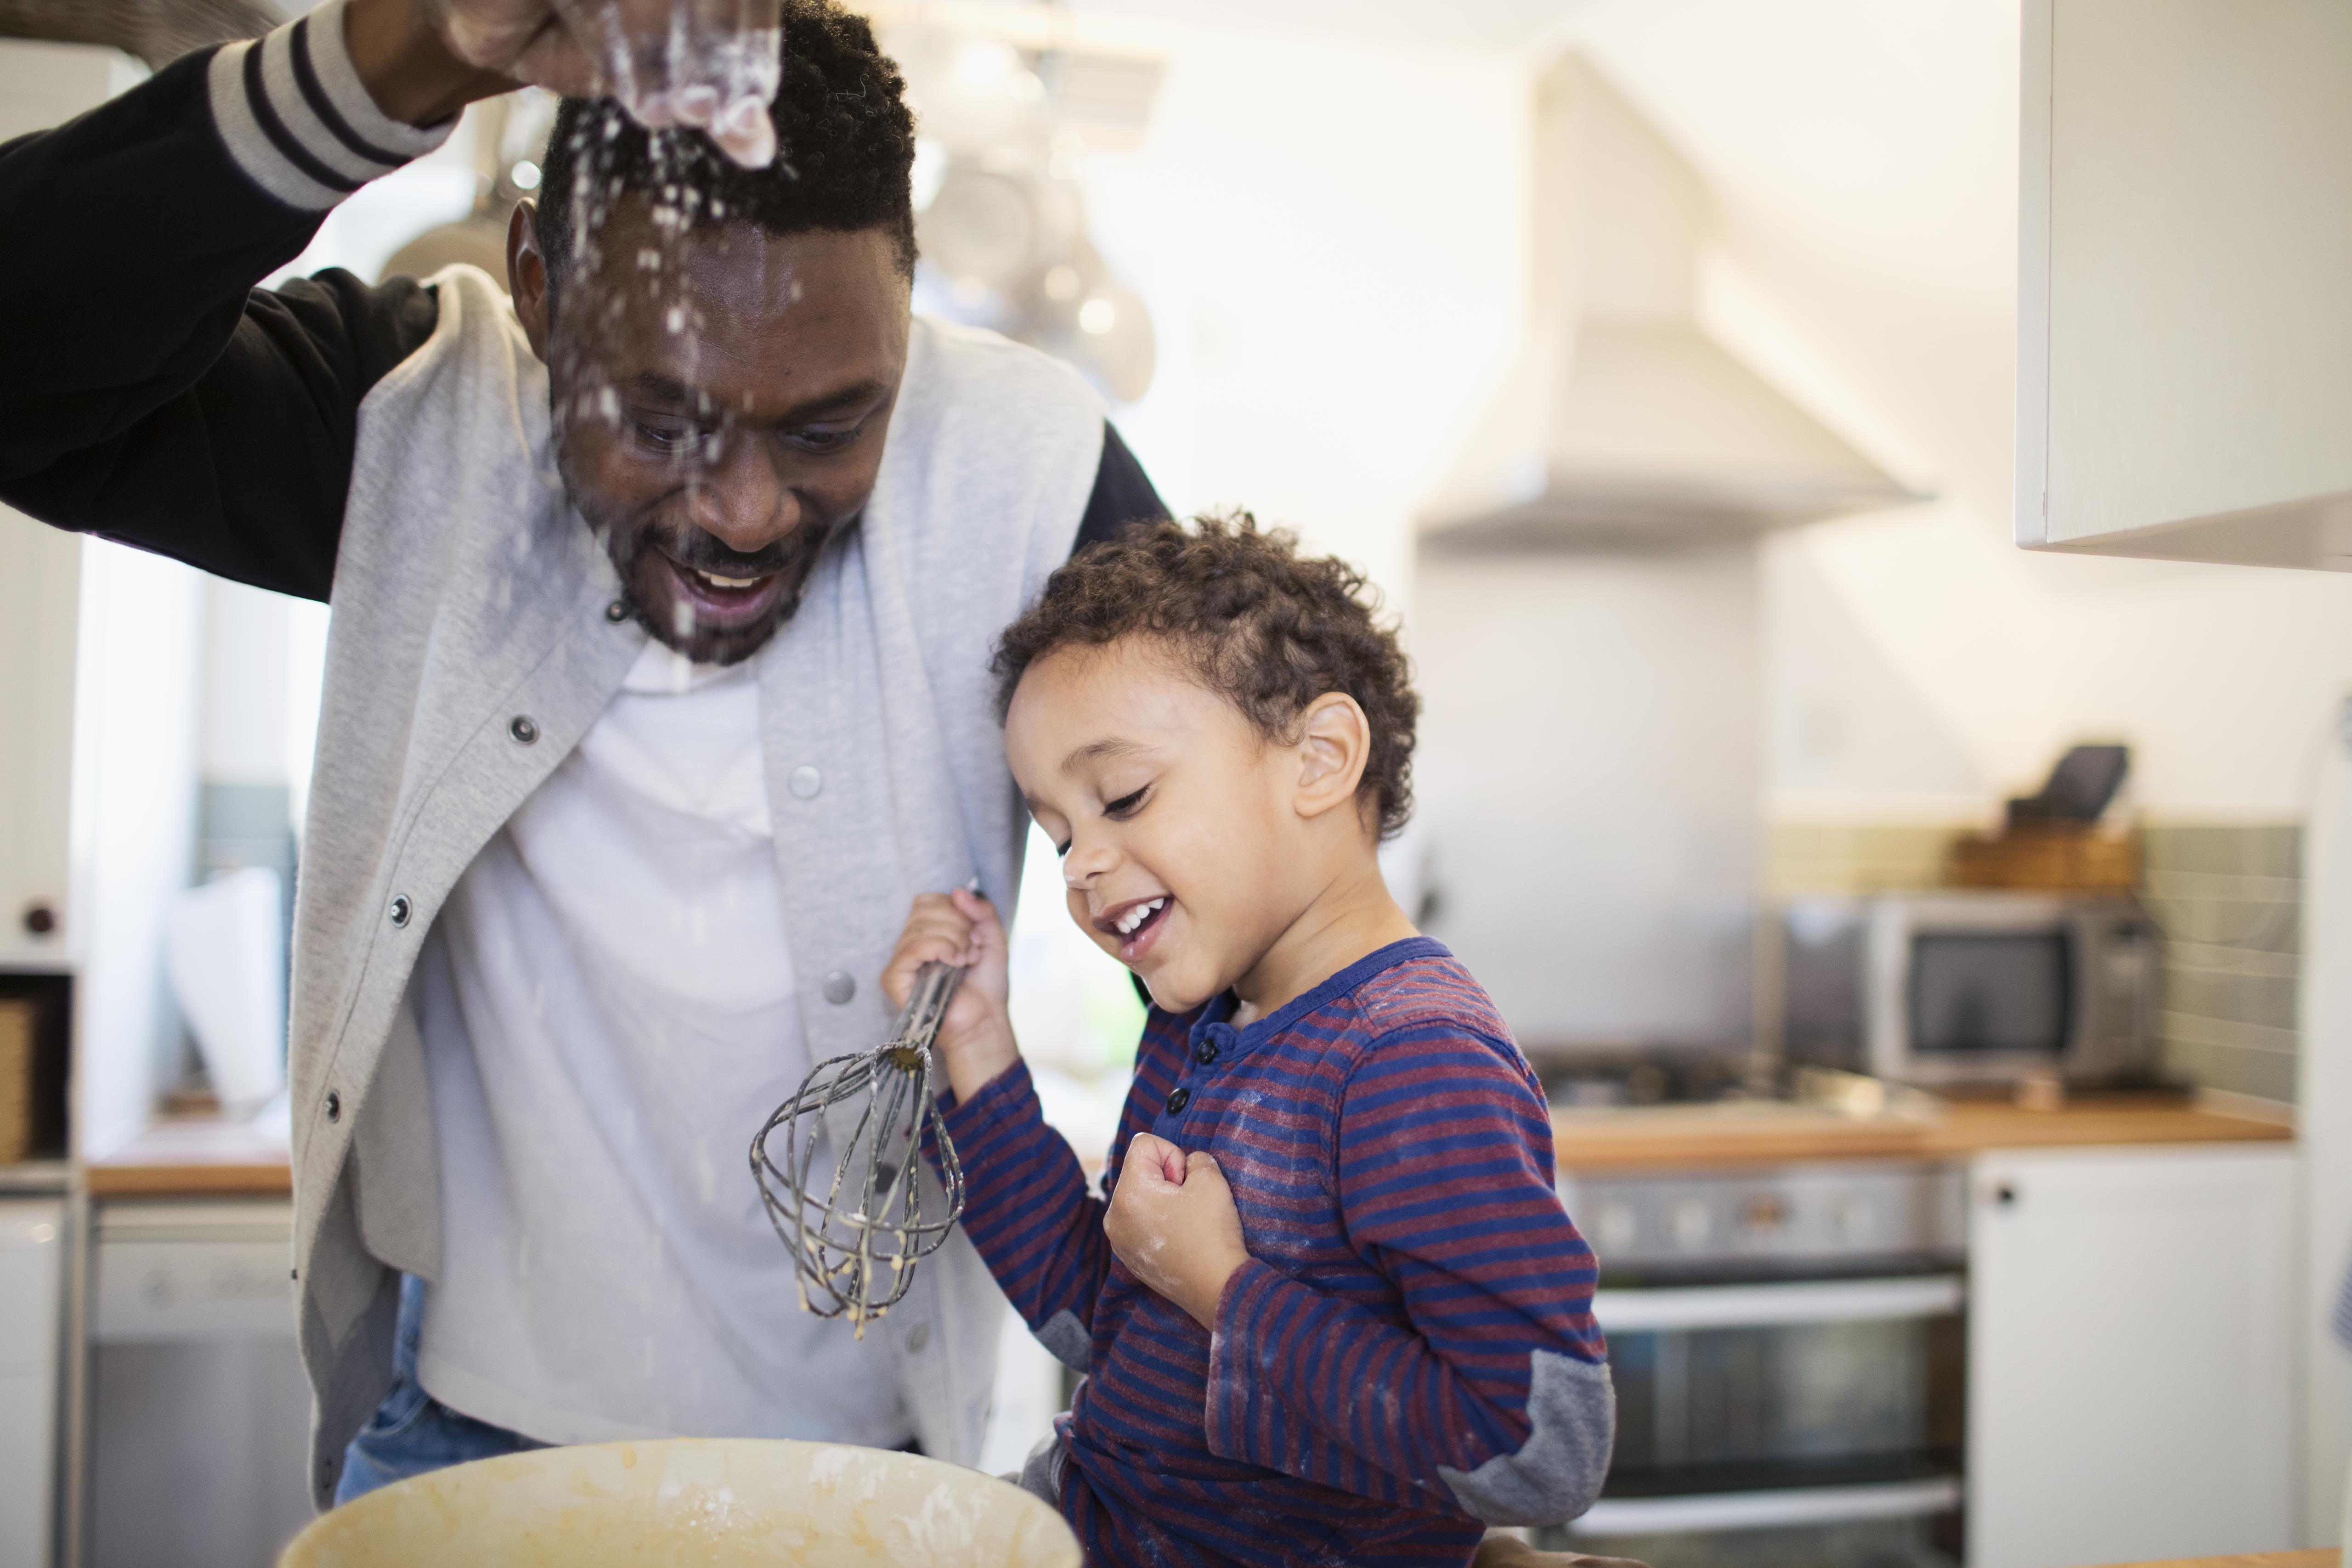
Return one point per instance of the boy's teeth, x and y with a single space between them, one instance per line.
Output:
1139 914
716 580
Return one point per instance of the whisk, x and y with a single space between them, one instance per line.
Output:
854 1247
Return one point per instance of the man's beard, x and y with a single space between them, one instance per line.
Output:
638 557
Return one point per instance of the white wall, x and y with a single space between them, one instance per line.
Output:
1588 778
247 633
136 703
1330 234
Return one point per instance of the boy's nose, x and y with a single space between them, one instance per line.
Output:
1084 863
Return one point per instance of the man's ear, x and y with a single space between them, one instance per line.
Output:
1334 743
527 278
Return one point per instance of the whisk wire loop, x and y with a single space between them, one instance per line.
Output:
854 1247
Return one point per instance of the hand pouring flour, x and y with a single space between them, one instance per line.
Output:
722 1503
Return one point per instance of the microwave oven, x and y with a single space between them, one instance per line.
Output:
1971 988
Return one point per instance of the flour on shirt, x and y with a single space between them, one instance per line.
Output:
608 1010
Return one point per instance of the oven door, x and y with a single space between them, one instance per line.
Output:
1813 1422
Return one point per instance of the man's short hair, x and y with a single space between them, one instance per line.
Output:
1262 626
844 139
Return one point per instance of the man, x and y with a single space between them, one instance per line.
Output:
657 684
657 689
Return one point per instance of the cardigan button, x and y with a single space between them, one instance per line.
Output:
617 612
804 782
400 908
1206 1052
334 1107
918 1337
523 729
1178 1099
839 987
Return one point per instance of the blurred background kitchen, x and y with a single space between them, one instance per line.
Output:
1934 946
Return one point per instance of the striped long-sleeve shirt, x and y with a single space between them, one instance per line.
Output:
1409 1355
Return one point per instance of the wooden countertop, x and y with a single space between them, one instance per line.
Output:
180 1156
2321 1558
1683 1137
185 1156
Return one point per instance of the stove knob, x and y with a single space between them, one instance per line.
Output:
1764 1213
1690 1223
1850 1218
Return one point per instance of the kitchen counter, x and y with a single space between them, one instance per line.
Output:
2323 1559
190 1156
1688 1138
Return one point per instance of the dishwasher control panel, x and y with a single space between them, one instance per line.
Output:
194 1272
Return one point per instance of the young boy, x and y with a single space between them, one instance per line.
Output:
1332 1310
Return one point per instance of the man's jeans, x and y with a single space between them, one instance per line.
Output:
412 1432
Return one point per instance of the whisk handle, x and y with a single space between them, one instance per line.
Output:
927 1005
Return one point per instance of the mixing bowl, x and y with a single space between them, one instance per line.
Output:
711 1504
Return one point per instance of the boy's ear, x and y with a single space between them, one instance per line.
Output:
1334 743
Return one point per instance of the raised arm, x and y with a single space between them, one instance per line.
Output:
1494 1395
147 391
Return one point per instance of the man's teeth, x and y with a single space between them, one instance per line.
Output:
716 580
1128 922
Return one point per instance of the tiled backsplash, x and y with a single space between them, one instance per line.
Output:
1855 857
2230 898
2228 895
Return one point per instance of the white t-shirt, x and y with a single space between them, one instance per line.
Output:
608 1013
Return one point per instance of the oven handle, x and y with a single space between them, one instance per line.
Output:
1761 1306
1766 1510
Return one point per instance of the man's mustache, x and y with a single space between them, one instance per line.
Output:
698 551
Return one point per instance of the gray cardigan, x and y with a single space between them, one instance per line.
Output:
467 595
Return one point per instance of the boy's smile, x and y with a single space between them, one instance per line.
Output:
1135 924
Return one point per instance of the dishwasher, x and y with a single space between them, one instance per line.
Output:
200 1413
1788 1353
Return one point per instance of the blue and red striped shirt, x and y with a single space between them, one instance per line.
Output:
1411 1350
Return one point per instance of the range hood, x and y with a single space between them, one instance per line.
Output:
1623 425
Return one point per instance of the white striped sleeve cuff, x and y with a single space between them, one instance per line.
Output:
299 120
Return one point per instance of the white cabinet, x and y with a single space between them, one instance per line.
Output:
2184 373
32 1245
40 582
2130 1365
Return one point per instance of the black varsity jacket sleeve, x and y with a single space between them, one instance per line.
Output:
149 392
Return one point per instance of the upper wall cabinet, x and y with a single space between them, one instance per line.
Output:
2184 369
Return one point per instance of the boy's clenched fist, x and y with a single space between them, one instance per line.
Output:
1172 1222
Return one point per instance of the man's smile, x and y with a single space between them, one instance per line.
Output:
724 602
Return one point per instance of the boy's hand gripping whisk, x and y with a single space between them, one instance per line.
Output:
855 1245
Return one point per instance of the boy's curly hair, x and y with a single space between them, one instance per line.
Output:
1264 627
